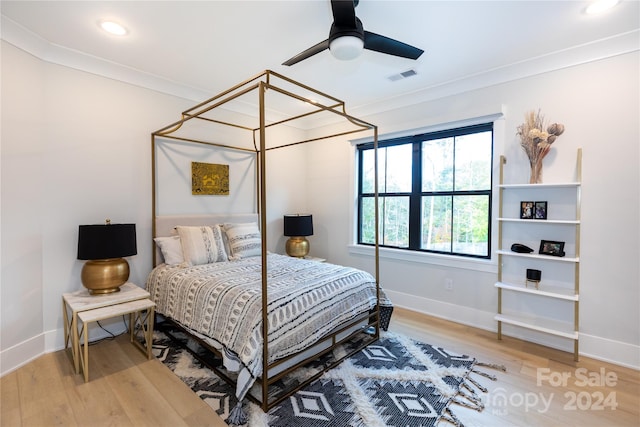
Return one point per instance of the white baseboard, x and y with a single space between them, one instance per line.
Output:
607 350
599 348
444 310
20 354
53 340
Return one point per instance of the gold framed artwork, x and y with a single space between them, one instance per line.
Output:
209 179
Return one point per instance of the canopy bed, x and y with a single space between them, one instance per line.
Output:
215 279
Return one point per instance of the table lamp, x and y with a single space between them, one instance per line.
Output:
297 227
104 246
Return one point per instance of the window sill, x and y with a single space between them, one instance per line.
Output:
483 265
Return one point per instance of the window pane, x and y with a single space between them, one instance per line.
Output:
471 225
473 162
395 231
437 165
397 173
394 221
367 221
394 164
367 171
436 223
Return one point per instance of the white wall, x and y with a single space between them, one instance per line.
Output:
22 202
599 104
75 150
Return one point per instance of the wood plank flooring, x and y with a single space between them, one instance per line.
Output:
541 387
125 389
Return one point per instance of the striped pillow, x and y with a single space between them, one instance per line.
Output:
244 240
202 244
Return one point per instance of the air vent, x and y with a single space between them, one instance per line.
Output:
403 75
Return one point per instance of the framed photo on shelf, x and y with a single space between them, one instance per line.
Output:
540 210
527 210
550 247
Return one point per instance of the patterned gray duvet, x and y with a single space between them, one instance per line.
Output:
222 302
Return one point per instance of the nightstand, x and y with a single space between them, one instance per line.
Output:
313 258
80 309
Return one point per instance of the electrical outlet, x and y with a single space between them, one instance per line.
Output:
448 284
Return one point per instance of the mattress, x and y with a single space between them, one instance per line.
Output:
222 302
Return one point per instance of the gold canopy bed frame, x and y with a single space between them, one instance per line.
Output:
294 105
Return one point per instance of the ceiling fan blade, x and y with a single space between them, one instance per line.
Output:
378 43
344 13
346 24
308 53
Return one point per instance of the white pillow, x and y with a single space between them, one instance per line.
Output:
171 249
202 244
244 239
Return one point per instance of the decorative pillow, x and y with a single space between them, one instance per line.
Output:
171 249
225 240
244 239
202 244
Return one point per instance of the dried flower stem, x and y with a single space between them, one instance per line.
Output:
535 141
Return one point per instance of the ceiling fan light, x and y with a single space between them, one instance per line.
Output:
346 48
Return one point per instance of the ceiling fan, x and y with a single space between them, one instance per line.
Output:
347 38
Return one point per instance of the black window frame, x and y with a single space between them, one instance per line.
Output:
416 194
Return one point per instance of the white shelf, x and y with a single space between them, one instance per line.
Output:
538 256
543 290
532 186
516 228
548 326
542 221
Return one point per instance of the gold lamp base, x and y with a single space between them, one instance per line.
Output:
104 276
297 247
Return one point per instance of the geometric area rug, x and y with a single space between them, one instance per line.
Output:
395 381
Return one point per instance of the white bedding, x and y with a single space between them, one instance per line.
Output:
222 301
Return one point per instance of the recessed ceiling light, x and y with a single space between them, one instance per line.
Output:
600 6
114 28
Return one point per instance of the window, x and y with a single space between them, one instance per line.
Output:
434 192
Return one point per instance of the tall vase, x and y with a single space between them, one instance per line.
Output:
536 172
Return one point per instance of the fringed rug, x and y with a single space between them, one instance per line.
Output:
396 381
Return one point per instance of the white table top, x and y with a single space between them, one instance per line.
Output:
82 300
115 310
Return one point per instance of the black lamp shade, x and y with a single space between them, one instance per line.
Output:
106 241
298 225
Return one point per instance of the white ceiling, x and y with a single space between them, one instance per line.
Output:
198 49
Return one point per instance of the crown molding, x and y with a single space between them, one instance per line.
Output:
24 39
609 47
619 44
